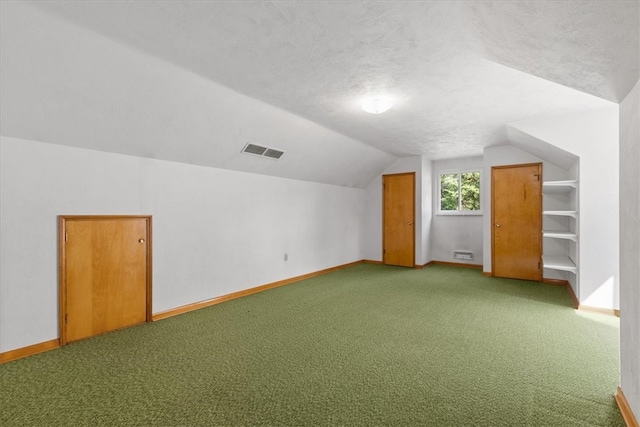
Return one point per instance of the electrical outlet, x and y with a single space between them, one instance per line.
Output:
286 257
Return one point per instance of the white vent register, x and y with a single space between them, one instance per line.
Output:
260 151
466 255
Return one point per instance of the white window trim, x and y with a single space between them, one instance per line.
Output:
459 172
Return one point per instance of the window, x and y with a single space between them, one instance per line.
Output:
459 193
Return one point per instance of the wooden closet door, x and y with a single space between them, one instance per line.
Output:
399 219
106 267
517 221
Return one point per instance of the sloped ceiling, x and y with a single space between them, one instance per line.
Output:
591 46
458 70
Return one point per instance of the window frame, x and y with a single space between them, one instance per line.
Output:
457 212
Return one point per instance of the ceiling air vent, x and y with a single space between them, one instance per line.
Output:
254 149
274 154
258 150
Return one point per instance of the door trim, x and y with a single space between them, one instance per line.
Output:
413 202
493 212
62 269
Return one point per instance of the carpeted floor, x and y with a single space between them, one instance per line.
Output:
365 346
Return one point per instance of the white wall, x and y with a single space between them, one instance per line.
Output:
453 232
593 137
630 249
372 242
427 211
214 231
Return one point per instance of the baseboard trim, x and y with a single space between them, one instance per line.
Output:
574 298
487 274
419 267
370 261
599 310
576 302
19 353
558 282
213 301
455 264
625 409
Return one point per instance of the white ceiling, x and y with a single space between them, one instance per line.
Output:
459 70
192 82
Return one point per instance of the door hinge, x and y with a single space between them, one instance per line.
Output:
66 319
539 265
66 236
537 175
384 251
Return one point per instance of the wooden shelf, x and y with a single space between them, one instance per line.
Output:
560 235
559 187
559 262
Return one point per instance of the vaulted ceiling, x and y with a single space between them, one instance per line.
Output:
459 71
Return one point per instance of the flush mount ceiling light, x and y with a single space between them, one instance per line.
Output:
377 104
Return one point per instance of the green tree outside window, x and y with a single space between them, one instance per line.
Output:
460 191
449 192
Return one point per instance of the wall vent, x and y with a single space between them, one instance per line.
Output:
465 255
258 150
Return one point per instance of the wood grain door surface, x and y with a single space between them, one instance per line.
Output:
399 219
106 275
517 221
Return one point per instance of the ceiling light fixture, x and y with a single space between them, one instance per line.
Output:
377 105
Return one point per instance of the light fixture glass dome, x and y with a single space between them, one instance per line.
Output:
377 104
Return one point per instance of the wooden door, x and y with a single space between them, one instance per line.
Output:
398 219
516 200
105 274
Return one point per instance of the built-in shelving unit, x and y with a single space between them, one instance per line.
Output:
560 217
561 213
559 187
560 235
559 262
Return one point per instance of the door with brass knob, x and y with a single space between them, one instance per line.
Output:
516 237
398 246
105 266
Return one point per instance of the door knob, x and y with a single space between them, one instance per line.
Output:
410 223
141 240
498 225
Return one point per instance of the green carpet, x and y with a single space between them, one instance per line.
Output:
365 346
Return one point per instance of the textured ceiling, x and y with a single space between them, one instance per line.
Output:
458 70
592 46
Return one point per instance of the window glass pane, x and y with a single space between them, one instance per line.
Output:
449 192
470 191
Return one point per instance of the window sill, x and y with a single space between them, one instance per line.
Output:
458 213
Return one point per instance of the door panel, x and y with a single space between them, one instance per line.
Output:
517 221
399 219
105 275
